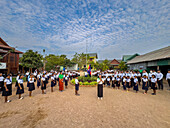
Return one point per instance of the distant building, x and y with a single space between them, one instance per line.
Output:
114 64
93 57
9 61
127 58
73 68
155 60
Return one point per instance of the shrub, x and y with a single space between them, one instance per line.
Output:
86 83
81 83
85 79
73 81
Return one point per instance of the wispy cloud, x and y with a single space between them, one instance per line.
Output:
110 28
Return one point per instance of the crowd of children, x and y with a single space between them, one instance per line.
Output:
57 78
109 78
131 79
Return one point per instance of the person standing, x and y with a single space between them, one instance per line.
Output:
43 84
76 86
145 84
1 82
38 80
61 87
20 87
100 87
31 85
136 84
159 77
52 82
154 84
7 89
66 80
168 77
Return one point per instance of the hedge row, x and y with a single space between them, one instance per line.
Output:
85 83
87 79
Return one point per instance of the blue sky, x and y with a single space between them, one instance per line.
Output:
111 28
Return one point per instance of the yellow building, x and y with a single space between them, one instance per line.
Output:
92 58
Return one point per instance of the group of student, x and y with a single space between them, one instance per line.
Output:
57 78
131 79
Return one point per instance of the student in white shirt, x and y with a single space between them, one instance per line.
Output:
20 87
31 85
159 77
100 87
154 84
76 86
124 82
145 84
43 84
1 82
168 77
136 84
7 90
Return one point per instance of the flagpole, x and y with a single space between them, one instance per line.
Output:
86 51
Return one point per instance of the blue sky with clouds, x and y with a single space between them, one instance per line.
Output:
111 28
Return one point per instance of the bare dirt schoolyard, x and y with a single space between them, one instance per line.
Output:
118 109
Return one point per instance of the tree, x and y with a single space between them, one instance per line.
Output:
122 66
31 60
80 59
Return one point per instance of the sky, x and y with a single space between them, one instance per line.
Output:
110 28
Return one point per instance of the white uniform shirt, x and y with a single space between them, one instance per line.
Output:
1 78
135 80
43 78
127 80
153 80
113 78
118 79
145 79
31 81
98 81
159 76
124 79
108 79
27 73
146 74
52 78
76 81
168 76
7 81
20 81
17 78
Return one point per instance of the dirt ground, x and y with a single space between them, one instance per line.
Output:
118 109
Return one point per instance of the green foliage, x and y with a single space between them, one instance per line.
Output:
81 83
86 83
84 79
31 59
52 61
80 59
73 81
122 66
14 79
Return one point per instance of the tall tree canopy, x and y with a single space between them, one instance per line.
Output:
31 59
122 66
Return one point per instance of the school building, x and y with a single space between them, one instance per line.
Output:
114 64
9 58
155 60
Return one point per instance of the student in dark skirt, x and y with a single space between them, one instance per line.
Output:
20 87
31 85
16 85
145 84
76 86
52 82
136 88
128 83
104 80
46 78
118 80
113 81
124 83
108 81
154 84
66 80
43 84
100 87
38 80
139 77
1 82
7 89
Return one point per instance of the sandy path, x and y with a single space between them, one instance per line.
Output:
118 109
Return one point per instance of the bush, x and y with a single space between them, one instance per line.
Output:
73 81
81 83
86 83
85 79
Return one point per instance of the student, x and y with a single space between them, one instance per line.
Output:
118 81
108 81
168 77
139 77
154 84
38 80
66 80
20 87
124 83
1 82
27 74
46 78
100 87
104 80
159 77
86 74
113 81
31 85
149 77
128 82
145 84
136 84
61 87
43 85
76 86
17 80
52 82
7 89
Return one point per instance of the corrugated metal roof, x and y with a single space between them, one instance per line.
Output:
154 55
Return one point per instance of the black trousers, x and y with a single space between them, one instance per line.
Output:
160 84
